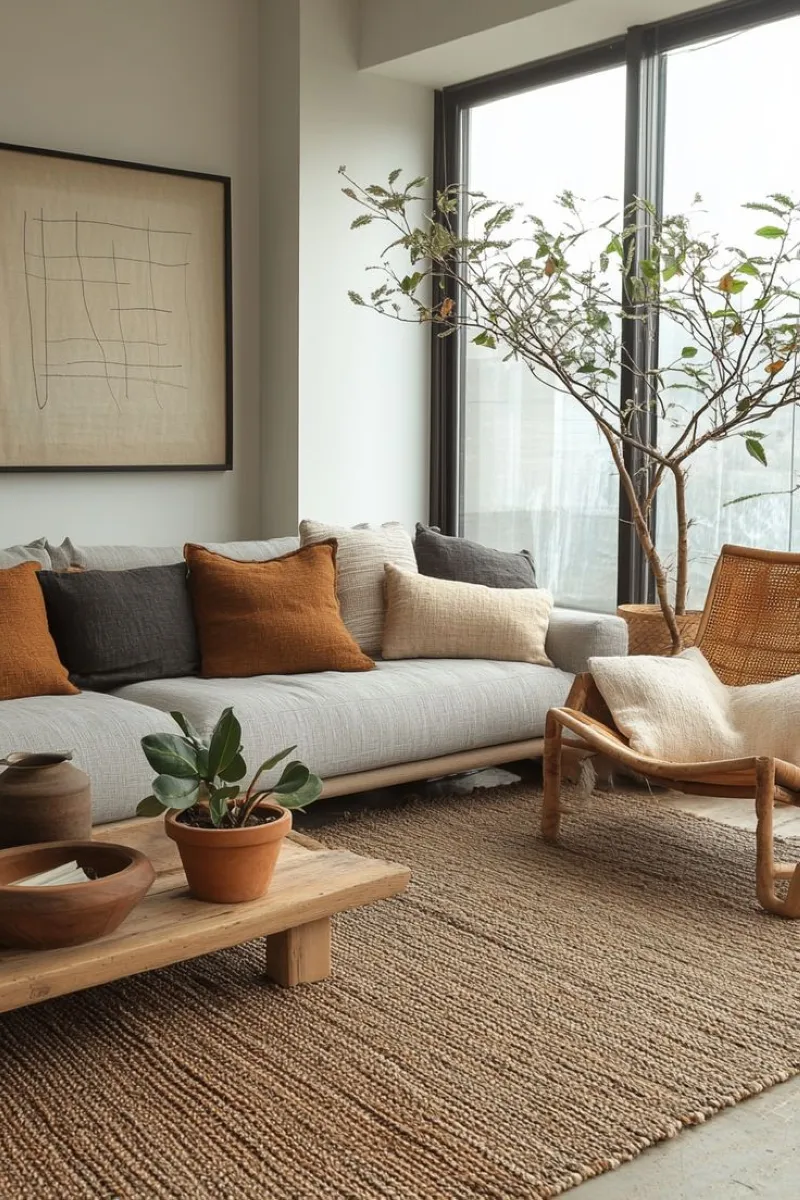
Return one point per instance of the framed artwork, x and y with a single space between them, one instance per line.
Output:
115 315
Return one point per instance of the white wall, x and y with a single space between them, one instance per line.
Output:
392 29
170 82
279 128
458 40
364 379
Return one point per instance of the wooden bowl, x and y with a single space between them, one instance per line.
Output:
43 918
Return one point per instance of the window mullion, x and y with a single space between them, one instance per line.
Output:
644 157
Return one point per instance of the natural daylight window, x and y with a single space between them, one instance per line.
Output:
530 469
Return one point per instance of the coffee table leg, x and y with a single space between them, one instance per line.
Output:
300 955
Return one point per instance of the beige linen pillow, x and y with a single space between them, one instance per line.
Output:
360 558
675 709
438 618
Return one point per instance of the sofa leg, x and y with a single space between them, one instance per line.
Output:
551 765
766 871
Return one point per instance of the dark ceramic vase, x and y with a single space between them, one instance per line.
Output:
43 798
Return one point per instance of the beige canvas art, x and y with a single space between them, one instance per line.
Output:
114 345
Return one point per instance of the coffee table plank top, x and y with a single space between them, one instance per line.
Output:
169 926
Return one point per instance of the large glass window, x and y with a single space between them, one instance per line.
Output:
730 154
535 474
532 470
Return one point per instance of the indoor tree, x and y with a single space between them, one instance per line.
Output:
580 301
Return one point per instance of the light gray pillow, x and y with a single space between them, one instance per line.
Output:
126 558
463 561
36 551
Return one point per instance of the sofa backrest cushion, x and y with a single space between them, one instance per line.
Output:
117 627
124 558
29 662
279 617
36 552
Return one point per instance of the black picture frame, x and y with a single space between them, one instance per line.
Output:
224 181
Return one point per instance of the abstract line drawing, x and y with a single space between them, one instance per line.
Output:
114 315
87 302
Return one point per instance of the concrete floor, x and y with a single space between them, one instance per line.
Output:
751 1150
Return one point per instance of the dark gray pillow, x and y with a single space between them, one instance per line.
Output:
458 559
118 627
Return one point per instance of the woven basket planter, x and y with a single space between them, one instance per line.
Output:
648 632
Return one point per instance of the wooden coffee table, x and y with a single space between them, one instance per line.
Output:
310 884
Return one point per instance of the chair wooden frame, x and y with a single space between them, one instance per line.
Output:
589 726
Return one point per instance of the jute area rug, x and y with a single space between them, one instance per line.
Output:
524 1018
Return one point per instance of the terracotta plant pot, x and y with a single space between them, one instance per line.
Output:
648 632
229 866
43 798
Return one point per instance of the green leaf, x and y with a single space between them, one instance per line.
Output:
747 268
484 338
169 754
151 806
295 775
235 770
394 175
226 742
588 369
756 450
187 728
218 803
364 219
688 351
175 793
355 298
770 231
307 794
269 763
410 282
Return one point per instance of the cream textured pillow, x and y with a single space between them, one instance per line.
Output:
360 558
437 618
670 708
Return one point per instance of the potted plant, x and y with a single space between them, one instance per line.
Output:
570 301
228 838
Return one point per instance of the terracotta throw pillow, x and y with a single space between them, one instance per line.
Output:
279 617
437 618
29 662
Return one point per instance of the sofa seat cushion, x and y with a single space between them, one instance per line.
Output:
104 733
400 712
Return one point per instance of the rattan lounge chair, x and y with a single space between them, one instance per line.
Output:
750 633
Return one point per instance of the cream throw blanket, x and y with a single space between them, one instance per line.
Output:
676 709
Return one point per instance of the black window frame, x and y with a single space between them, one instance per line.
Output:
641 51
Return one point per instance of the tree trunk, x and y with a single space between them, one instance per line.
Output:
682 565
646 542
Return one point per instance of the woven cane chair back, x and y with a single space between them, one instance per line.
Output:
750 629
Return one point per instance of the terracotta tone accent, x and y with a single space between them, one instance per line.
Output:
44 918
29 662
43 798
279 617
229 866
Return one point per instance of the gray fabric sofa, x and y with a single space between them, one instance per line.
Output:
405 720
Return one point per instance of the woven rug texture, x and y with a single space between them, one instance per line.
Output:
525 1017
